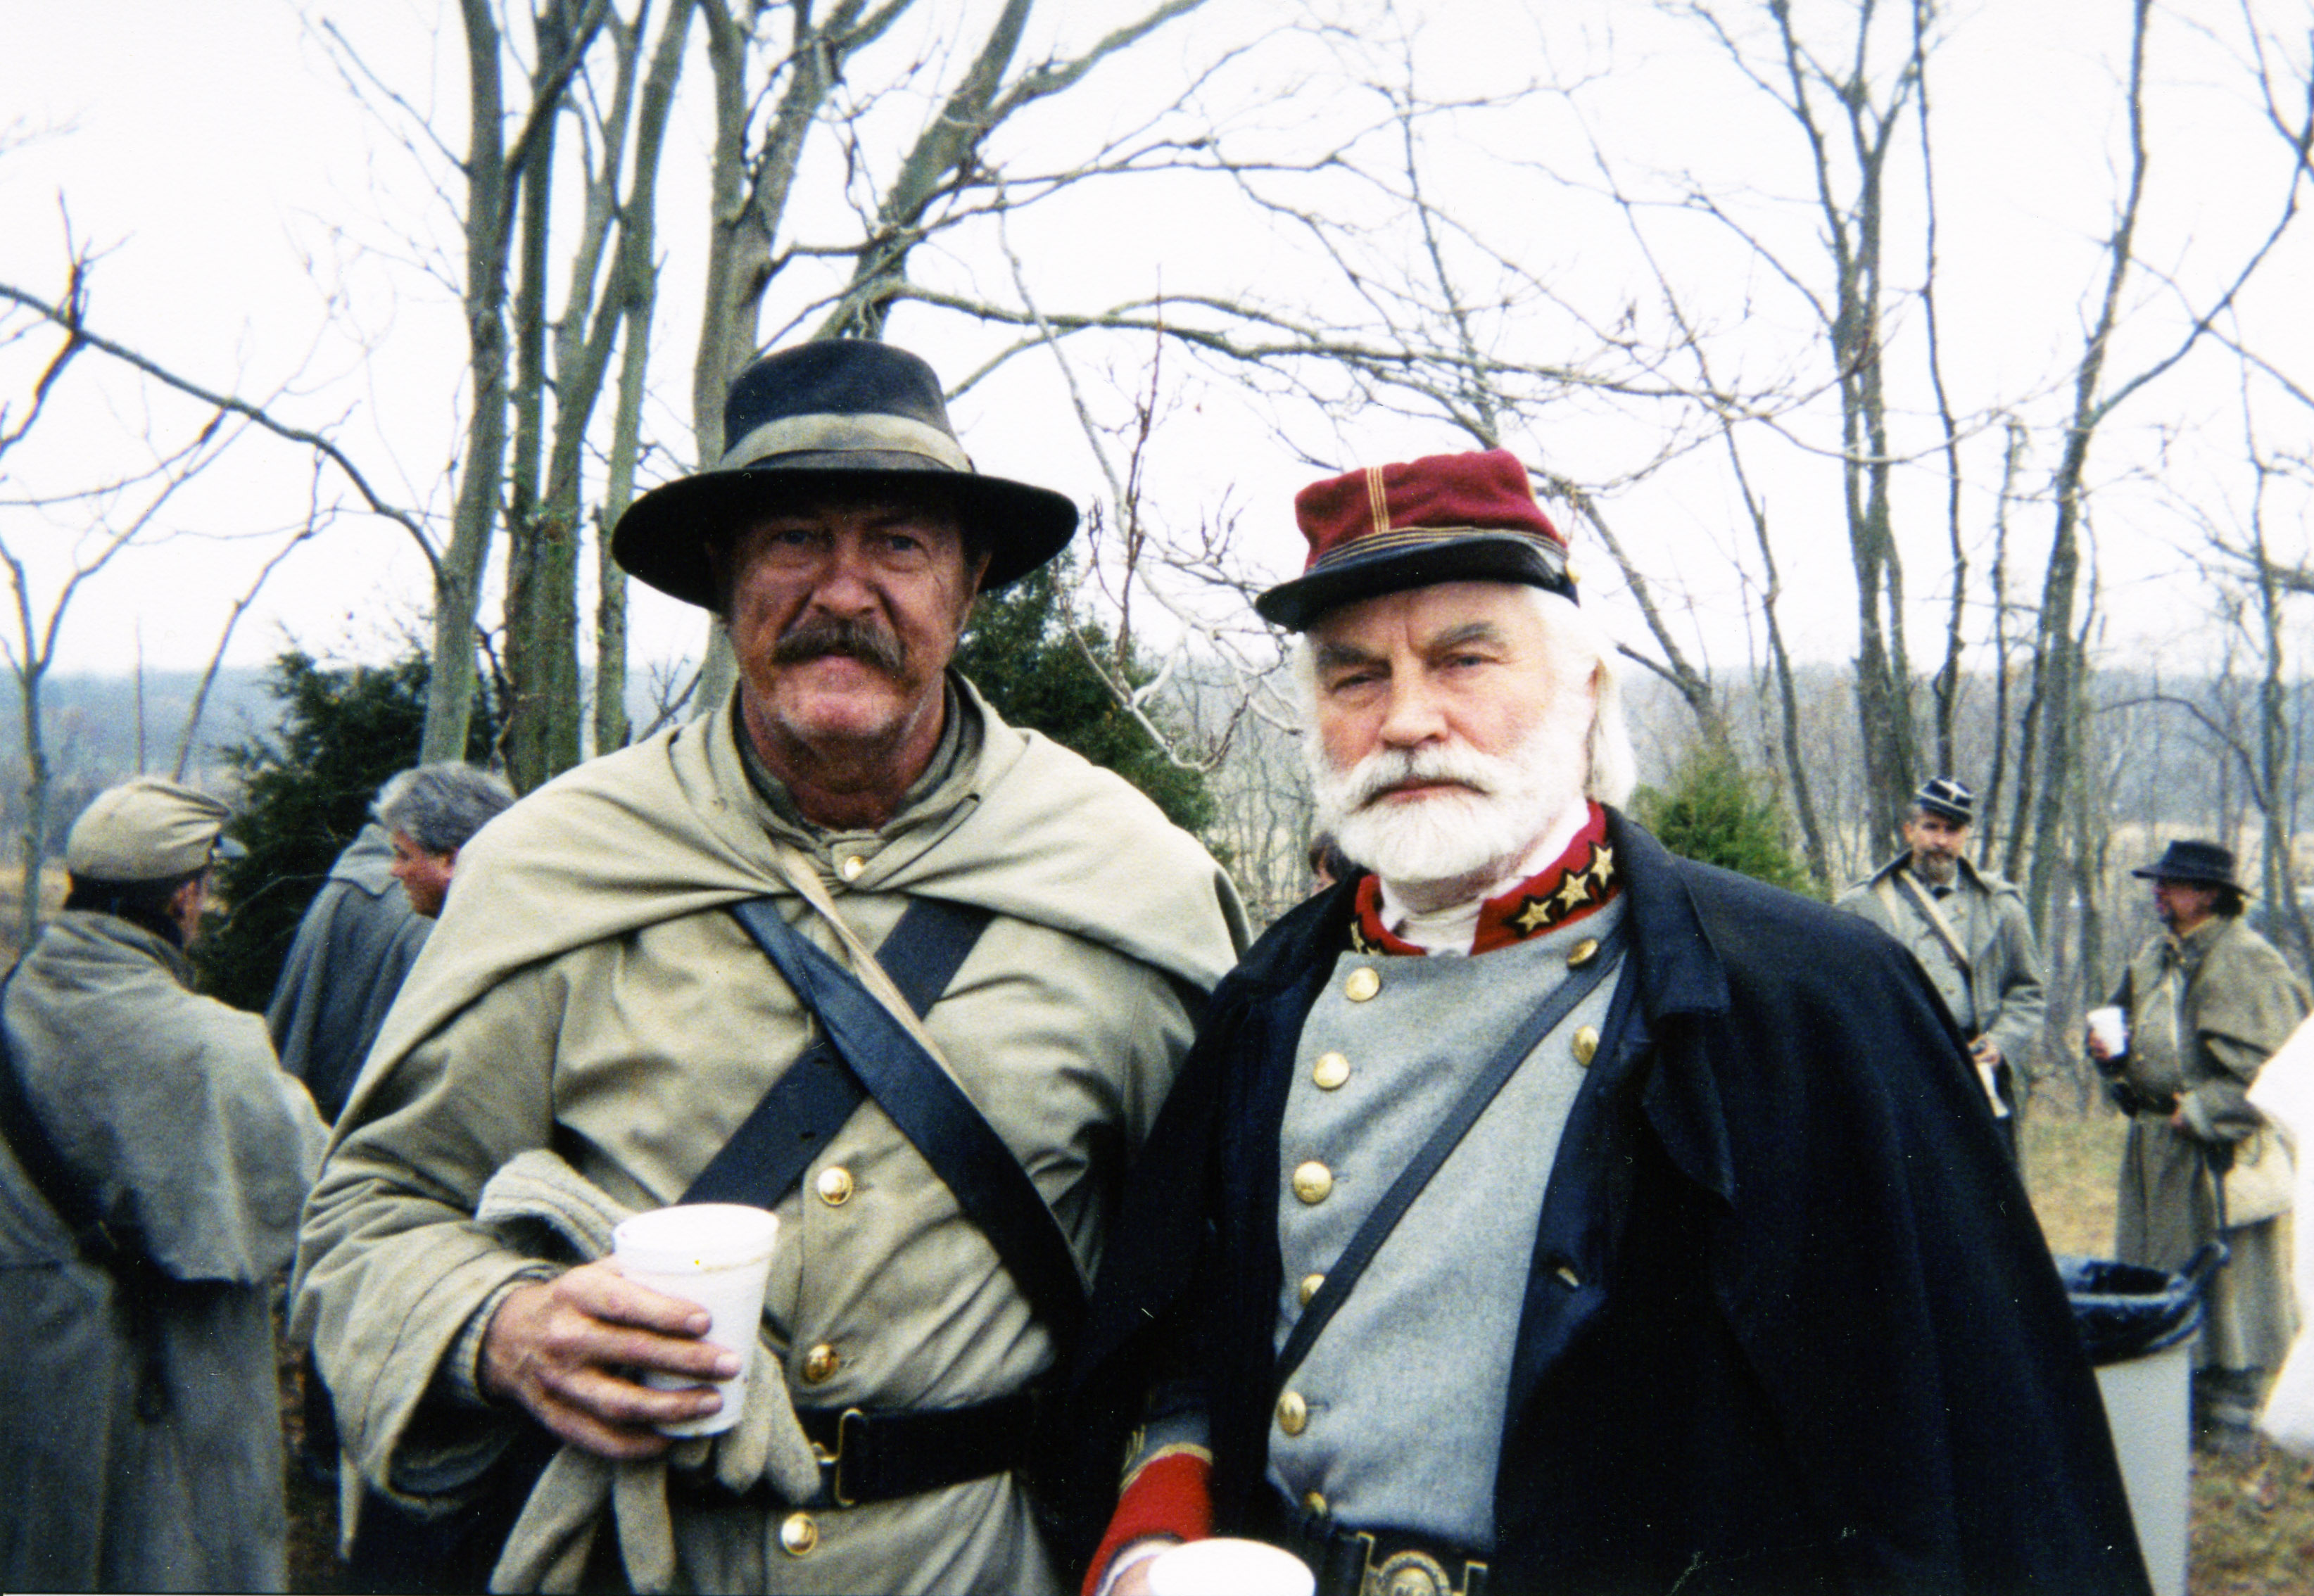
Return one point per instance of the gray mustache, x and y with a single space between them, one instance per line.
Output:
838 634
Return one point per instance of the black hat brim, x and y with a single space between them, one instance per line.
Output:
1478 556
663 538
2190 874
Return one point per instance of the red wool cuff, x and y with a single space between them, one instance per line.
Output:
1170 1494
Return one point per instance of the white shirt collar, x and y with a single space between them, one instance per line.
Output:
1452 930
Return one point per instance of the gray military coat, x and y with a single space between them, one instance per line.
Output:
2000 994
172 1105
354 947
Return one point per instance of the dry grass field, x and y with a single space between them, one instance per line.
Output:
2253 1510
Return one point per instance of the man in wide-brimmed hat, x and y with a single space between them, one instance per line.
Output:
1538 1211
2208 1000
1969 930
654 982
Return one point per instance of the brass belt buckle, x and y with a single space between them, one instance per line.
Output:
1412 1572
831 1463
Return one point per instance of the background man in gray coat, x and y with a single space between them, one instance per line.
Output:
157 1160
429 813
1971 934
354 948
363 931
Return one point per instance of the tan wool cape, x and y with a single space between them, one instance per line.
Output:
585 992
171 1106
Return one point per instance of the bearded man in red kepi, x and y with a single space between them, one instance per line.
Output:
1538 1211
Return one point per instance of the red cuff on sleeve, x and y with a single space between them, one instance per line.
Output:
1170 1494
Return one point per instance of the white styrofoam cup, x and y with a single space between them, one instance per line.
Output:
717 1255
1227 1567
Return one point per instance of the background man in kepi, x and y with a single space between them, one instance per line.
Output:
155 1159
1971 934
2208 1002
592 992
1542 1201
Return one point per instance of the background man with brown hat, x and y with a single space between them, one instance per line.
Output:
1541 1213
598 1026
155 1158
2208 1002
1971 933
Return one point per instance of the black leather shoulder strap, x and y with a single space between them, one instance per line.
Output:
816 1095
933 1113
1482 1090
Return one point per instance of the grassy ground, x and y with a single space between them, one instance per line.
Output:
2252 1505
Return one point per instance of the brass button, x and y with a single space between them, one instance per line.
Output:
1292 1413
852 865
1583 953
1569 1278
1362 983
1586 1044
798 1533
1330 1071
820 1365
1313 1182
834 1185
1315 1501
1310 1284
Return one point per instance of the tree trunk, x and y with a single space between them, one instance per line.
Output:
450 684
542 553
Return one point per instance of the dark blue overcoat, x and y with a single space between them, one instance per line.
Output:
1813 1342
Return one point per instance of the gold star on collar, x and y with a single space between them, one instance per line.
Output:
1533 914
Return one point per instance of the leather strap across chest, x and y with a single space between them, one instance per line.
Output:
864 1051
1484 1087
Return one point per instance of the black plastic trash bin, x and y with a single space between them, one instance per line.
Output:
2138 1326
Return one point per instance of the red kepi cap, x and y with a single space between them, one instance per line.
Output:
1441 518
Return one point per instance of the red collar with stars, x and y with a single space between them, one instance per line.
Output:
1581 880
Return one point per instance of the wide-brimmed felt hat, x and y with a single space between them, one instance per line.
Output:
148 830
2190 859
840 413
1441 518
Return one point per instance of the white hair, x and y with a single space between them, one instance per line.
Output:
440 806
1580 648
1582 645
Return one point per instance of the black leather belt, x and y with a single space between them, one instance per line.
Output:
1375 1562
874 1455
879 1454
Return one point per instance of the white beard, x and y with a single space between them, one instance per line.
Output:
1452 845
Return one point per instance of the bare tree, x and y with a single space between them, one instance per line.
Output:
69 536
1848 108
2049 747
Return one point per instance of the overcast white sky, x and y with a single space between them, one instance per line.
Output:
261 233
